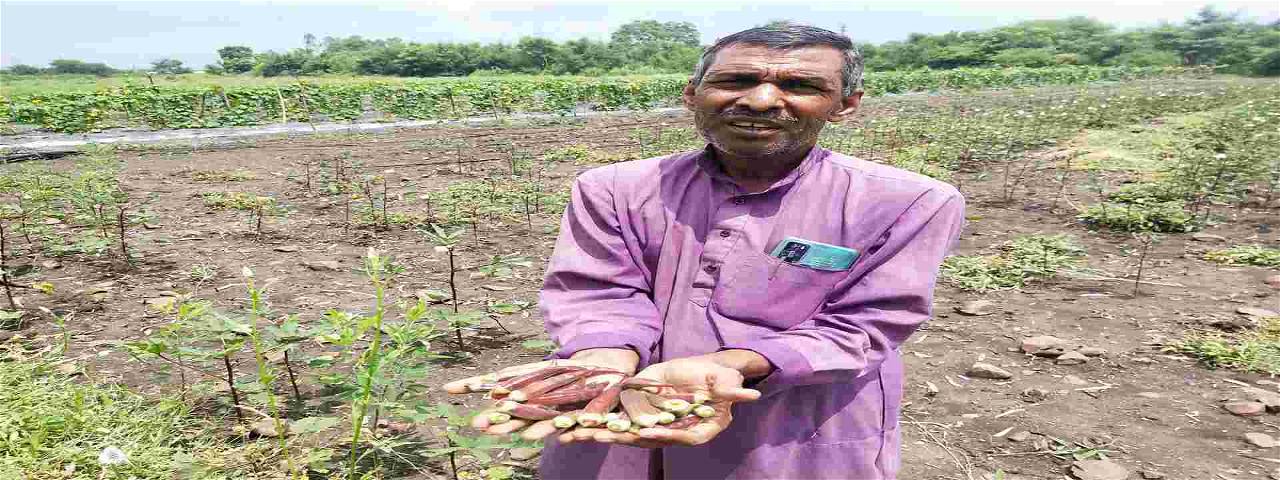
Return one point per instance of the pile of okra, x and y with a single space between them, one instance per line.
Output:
564 395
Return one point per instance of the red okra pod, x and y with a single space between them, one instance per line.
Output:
620 424
540 387
638 408
568 395
505 387
593 414
644 383
527 412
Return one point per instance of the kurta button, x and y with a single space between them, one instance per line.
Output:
725 233
739 201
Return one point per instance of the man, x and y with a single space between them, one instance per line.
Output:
696 269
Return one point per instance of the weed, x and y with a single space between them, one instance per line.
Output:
1032 257
222 176
1164 217
1255 350
1246 255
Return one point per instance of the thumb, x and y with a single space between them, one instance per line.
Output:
726 385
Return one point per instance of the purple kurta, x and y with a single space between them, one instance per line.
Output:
668 256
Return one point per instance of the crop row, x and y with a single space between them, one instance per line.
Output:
215 106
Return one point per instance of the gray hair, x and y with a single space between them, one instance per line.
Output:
786 36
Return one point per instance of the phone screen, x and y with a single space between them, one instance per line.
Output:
792 252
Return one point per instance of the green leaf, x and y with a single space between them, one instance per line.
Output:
313 424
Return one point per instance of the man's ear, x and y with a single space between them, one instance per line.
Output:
848 105
687 95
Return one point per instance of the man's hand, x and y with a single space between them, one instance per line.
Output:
710 375
621 360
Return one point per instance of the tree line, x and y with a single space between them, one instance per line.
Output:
1210 37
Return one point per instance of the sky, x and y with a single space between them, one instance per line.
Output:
132 34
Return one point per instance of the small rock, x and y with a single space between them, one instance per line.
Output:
987 370
977 308
1035 395
1151 395
1273 281
1092 351
52 221
1152 475
1043 346
1071 358
1098 470
1074 380
1256 312
287 248
50 265
265 428
522 454
151 226
1142 360
1208 237
323 266
1246 409
1019 436
1260 440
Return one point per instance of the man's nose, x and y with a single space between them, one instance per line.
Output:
762 98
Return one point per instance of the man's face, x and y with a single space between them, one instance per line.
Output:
755 102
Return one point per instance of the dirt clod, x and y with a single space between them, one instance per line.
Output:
1044 346
989 371
977 308
1072 358
1260 440
1245 409
1098 470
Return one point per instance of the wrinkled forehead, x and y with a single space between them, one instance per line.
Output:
821 60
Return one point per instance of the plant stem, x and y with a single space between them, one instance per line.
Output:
265 376
231 384
124 247
4 270
372 359
293 380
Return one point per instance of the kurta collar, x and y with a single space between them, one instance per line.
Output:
708 165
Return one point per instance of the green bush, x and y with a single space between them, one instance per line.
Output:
1164 217
1246 255
1032 257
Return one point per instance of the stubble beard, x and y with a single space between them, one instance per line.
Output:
786 146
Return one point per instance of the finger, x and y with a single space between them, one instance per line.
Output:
726 385
509 426
629 439
579 435
481 420
538 430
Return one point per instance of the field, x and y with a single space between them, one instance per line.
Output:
185 306
73 105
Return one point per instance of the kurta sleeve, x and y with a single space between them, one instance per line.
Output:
596 294
868 315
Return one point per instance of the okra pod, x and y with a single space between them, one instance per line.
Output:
505 387
638 408
673 405
594 413
666 417
528 412
704 411
540 387
498 417
567 419
568 395
620 424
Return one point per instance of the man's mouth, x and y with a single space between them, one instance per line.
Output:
753 126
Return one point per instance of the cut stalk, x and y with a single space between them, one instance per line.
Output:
638 408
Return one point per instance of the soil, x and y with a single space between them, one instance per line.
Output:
1151 410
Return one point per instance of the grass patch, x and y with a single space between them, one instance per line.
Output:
235 200
1257 350
222 176
1018 261
52 424
1246 255
1165 217
1136 148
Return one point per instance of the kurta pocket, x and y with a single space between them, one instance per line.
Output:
766 291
